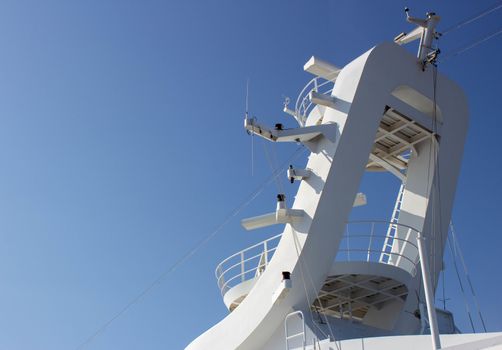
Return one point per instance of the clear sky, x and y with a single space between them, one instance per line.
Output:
121 146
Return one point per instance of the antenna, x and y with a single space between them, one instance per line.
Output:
425 31
247 98
246 116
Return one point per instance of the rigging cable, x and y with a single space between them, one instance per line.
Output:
459 25
461 255
300 259
246 115
443 236
435 185
461 285
184 258
472 45
307 295
474 18
456 246
272 162
273 177
445 299
432 164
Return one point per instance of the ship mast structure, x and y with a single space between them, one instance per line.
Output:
306 288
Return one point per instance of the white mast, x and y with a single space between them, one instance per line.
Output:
363 117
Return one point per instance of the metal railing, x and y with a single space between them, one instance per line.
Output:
303 104
366 241
246 264
299 333
362 241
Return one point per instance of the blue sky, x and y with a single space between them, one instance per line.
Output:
121 145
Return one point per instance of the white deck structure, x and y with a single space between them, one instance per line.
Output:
324 283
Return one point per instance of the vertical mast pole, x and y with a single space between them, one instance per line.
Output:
429 294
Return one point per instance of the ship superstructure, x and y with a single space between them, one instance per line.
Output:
315 286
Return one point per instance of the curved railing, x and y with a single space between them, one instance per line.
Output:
363 241
246 264
303 104
371 241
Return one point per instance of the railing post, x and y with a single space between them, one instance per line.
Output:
371 239
221 279
429 295
302 333
265 251
243 278
348 242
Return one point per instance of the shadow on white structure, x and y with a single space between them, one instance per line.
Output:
363 285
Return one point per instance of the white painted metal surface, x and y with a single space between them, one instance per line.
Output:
429 293
298 316
321 68
380 109
362 242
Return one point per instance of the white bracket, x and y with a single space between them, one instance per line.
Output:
388 166
282 290
321 68
298 174
282 215
259 221
291 112
322 99
303 134
286 215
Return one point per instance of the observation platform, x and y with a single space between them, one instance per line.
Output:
400 129
371 271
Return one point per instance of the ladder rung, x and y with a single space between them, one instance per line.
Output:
294 335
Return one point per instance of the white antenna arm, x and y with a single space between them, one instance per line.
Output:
425 30
419 22
404 38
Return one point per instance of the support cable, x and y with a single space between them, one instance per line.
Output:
184 258
272 164
474 18
432 164
246 116
471 45
307 295
437 172
456 246
300 260
435 185
461 285
467 276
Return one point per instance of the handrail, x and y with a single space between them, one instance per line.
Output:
242 259
386 222
370 236
364 247
249 248
302 108
240 263
414 263
298 334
